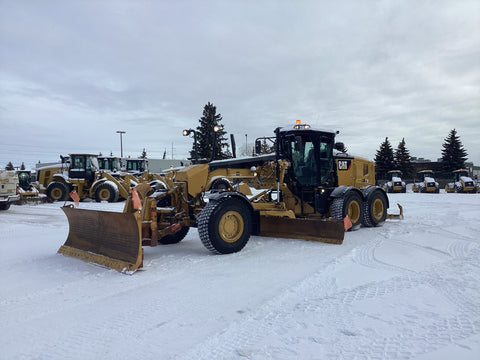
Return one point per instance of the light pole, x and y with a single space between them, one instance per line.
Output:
246 147
121 145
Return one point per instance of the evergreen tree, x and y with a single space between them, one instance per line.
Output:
267 148
403 160
453 153
384 160
144 154
10 166
207 137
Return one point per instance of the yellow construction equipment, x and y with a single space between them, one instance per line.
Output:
395 184
462 183
301 191
82 173
426 183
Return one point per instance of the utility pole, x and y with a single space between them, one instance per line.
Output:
121 145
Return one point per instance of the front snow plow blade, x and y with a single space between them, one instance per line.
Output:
105 238
329 231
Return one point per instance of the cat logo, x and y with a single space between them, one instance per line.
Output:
344 165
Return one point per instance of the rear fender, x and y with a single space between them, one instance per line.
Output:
216 196
342 190
60 178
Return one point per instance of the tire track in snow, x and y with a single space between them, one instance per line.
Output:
340 320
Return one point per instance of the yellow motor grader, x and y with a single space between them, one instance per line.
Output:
302 191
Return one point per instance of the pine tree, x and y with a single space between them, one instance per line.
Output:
384 160
206 136
267 148
10 166
403 160
453 153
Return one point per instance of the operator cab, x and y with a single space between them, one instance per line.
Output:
422 175
311 176
458 174
137 165
83 166
109 163
311 155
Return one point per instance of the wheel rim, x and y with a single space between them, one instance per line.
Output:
231 226
56 193
378 209
104 194
354 211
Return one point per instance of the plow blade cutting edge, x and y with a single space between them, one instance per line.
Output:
106 238
328 231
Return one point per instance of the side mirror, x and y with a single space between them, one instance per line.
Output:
340 146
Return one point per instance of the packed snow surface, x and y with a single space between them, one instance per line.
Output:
407 290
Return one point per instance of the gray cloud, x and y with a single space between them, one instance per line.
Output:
72 73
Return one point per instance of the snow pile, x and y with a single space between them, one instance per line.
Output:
407 290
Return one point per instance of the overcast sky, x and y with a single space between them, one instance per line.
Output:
72 73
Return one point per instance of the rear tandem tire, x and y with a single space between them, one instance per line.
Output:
351 205
225 225
57 191
374 209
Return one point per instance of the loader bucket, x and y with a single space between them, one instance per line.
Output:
106 238
328 231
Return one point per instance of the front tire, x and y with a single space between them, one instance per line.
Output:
57 191
106 192
225 225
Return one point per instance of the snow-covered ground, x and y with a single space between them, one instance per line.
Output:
407 290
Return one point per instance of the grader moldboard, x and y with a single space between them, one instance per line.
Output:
302 191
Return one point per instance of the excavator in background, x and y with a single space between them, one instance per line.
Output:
301 191
426 183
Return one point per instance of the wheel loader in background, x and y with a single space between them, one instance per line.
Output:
302 191
462 183
426 183
82 174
